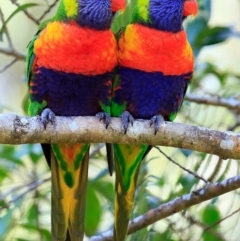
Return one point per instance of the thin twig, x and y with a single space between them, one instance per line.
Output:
13 52
48 10
30 186
216 169
204 227
223 219
96 149
175 230
8 65
182 167
30 16
6 30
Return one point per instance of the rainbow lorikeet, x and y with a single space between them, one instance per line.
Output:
155 67
70 63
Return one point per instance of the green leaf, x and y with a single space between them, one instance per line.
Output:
209 237
5 222
93 212
156 236
214 35
7 219
152 201
198 24
10 156
106 189
44 233
35 152
211 215
32 214
193 29
123 19
205 8
187 182
3 174
25 103
19 9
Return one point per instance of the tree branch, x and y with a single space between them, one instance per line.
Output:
48 10
230 103
18 193
6 30
8 65
13 52
178 204
30 16
16 129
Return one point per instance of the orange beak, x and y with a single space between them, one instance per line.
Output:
190 8
118 5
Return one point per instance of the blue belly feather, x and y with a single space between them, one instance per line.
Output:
69 94
147 94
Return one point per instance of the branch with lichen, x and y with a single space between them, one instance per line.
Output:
16 129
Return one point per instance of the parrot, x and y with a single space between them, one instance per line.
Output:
155 67
69 70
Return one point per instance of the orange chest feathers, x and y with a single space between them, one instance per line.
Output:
73 49
152 50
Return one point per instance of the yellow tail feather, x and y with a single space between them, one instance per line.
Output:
127 162
68 204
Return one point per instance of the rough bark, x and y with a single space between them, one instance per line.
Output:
16 129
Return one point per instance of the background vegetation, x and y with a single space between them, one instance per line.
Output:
25 177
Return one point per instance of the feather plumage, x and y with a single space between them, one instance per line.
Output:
155 68
70 63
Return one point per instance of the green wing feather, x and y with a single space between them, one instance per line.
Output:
30 51
30 57
120 32
127 161
35 108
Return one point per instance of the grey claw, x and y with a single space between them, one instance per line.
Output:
105 117
157 121
126 119
47 116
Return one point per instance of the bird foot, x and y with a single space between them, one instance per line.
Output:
127 119
157 121
47 116
105 117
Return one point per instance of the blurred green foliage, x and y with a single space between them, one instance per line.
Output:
24 176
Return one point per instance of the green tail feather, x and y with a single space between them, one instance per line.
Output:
68 201
127 162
